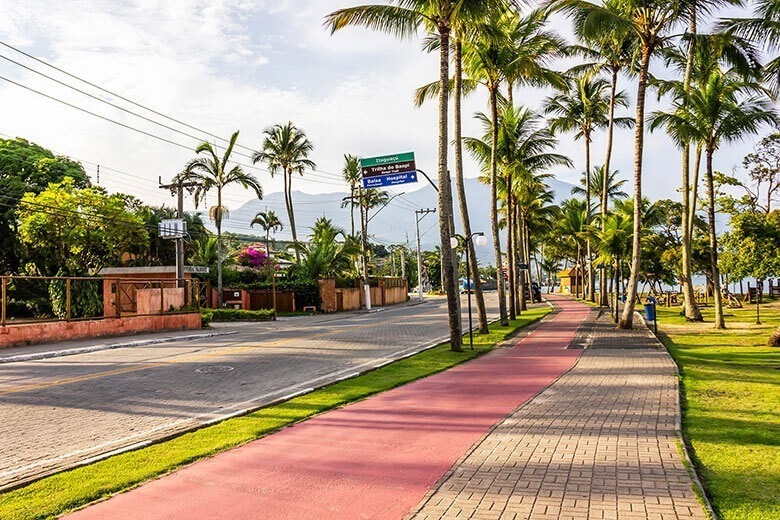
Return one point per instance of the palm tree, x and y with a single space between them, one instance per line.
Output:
210 172
583 109
404 20
725 108
269 221
324 255
613 184
352 175
571 228
614 241
286 149
701 56
762 27
650 22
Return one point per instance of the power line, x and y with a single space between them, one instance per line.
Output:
333 176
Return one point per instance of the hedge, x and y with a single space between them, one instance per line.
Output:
237 315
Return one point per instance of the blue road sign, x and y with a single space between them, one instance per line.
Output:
388 170
389 180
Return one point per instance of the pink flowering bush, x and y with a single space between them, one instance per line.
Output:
253 256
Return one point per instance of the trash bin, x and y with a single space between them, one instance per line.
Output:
650 311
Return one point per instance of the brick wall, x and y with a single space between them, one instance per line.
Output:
30 333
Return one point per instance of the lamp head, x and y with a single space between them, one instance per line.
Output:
481 240
453 242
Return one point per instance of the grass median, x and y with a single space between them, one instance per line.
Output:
71 489
731 406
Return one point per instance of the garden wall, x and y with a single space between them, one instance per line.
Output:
31 333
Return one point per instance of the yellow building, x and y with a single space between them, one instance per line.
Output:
571 280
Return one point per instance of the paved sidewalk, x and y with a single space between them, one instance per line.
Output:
373 459
599 443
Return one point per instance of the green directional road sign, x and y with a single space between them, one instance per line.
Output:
388 170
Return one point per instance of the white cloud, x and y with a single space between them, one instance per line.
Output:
225 65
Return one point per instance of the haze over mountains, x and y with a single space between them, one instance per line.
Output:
393 224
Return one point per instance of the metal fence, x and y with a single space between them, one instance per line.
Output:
32 299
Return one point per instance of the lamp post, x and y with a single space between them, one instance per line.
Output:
481 241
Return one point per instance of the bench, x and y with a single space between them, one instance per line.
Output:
310 308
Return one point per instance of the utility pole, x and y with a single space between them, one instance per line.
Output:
177 188
420 214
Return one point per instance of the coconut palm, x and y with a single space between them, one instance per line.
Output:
352 175
723 109
212 171
403 19
650 21
329 252
762 27
572 229
270 222
597 178
584 108
286 149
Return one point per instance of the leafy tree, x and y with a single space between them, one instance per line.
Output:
213 172
286 149
26 167
76 231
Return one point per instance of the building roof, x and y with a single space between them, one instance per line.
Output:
151 270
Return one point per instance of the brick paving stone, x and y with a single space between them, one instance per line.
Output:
600 443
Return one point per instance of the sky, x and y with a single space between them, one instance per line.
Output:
221 66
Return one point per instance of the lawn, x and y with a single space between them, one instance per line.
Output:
731 406
68 490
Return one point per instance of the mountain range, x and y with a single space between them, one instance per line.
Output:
391 224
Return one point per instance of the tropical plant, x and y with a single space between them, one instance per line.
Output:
403 19
324 256
352 175
285 148
214 172
724 109
270 222
650 22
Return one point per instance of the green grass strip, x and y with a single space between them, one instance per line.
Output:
71 489
730 396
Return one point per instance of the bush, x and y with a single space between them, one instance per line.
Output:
205 318
241 315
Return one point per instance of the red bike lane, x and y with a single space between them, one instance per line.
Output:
376 458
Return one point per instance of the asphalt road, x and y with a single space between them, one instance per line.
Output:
60 412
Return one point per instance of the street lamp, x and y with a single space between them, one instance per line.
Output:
481 241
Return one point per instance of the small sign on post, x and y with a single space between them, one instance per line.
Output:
388 170
172 228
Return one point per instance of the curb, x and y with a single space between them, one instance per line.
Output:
110 346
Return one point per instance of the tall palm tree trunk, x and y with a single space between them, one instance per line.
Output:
445 193
510 249
218 222
520 240
694 190
605 181
627 318
352 208
591 281
719 320
494 205
461 187
690 308
290 213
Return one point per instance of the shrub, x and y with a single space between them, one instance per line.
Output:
205 318
241 315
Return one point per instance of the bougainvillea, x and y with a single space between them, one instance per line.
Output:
253 256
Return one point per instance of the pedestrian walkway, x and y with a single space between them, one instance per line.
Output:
373 459
599 443
471 442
